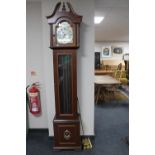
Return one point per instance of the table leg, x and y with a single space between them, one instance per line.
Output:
98 94
102 93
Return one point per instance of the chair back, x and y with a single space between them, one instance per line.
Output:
118 72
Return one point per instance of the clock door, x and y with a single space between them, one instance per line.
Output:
65 85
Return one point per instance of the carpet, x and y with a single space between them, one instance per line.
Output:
121 96
111 130
117 96
125 89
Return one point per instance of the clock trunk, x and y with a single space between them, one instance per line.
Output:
65 81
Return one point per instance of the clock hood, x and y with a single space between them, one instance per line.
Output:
65 12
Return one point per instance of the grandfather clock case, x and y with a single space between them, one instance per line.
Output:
64 40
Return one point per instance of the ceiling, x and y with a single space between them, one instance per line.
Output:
115 26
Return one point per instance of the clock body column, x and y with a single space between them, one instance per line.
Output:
64 40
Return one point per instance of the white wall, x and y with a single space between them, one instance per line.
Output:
34 59
124 45
85 61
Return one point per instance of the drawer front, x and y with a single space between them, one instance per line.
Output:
67 134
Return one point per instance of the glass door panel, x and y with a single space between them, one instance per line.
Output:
65 83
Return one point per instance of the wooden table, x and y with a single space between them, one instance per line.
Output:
104 81
104 72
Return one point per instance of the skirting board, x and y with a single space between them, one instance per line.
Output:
44 130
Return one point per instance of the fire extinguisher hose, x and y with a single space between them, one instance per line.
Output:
27 97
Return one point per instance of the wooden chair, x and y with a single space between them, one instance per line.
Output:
110 91
118 72
120 75
99 93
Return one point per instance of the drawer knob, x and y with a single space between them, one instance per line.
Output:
67 134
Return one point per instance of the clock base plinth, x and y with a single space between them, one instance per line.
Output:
67 134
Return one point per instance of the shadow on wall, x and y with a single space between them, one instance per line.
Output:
84 28
81 54
84 67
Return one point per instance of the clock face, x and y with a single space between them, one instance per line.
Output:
64 33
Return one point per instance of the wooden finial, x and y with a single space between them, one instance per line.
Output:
63 7
70 8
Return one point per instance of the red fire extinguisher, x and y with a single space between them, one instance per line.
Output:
34 99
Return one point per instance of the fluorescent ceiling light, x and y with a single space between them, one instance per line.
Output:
98 20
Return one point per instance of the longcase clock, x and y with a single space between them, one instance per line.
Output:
64 40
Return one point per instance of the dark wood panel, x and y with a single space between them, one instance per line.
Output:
61 127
